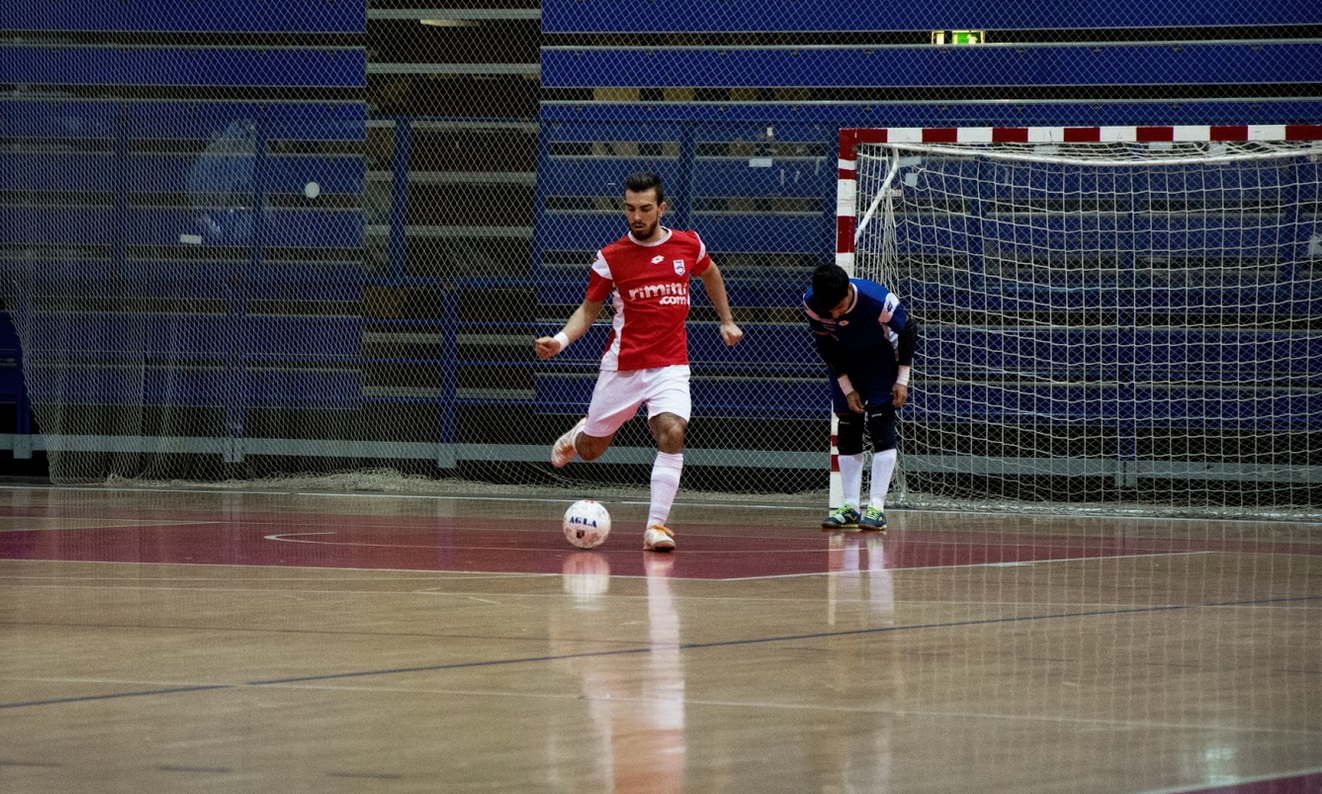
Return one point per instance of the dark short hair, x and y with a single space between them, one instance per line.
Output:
830 285
643 181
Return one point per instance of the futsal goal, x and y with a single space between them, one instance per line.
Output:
1110 317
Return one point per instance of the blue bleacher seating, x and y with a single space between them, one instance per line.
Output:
290 16
87 65
81 169
774 16
724 162
925 66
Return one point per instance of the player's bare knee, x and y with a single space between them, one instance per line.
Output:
668 430
671 441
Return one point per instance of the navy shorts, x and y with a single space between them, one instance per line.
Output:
873 385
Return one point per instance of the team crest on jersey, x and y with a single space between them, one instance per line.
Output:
656 260
679 267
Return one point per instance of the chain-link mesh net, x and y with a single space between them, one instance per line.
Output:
290 306
216 302
759 197
220 269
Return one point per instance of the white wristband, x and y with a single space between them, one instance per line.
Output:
562 338
903 378
846 385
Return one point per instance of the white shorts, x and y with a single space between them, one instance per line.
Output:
617 395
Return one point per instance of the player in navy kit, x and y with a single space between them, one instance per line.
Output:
867 340
646 276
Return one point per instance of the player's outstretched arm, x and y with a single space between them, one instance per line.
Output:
715 286
578 324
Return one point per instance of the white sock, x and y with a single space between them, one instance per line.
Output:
665 482
851 477
577 431
883 465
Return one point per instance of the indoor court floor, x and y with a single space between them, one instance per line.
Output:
197 641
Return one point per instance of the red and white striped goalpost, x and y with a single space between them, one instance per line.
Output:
847 175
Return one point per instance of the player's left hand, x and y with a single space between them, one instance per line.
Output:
899 395
731 333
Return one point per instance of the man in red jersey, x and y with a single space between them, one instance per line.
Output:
646 275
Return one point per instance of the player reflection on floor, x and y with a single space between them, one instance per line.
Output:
630 735
634 741
858 578
860 596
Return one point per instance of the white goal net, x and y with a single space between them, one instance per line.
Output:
1113 323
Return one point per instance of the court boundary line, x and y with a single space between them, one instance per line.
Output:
290 537
420 573
1016 564
1231 788
649 649
679 502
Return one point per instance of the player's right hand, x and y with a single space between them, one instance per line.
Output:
899 395
855 402
546 347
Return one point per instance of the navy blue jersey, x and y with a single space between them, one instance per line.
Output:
869 329
868 343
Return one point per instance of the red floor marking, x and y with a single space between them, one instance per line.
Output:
491 546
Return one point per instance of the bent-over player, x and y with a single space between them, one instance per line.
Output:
867 340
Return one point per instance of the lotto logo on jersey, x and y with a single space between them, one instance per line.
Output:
668 294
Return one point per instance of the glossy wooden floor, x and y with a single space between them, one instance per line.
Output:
190 642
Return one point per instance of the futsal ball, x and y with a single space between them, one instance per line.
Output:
587 524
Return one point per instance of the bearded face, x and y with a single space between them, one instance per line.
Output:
643 213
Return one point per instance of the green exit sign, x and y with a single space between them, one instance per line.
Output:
957 37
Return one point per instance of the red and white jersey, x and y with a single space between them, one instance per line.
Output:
648 284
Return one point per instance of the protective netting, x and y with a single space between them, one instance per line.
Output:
277 242
1131 325
200 283
268 302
